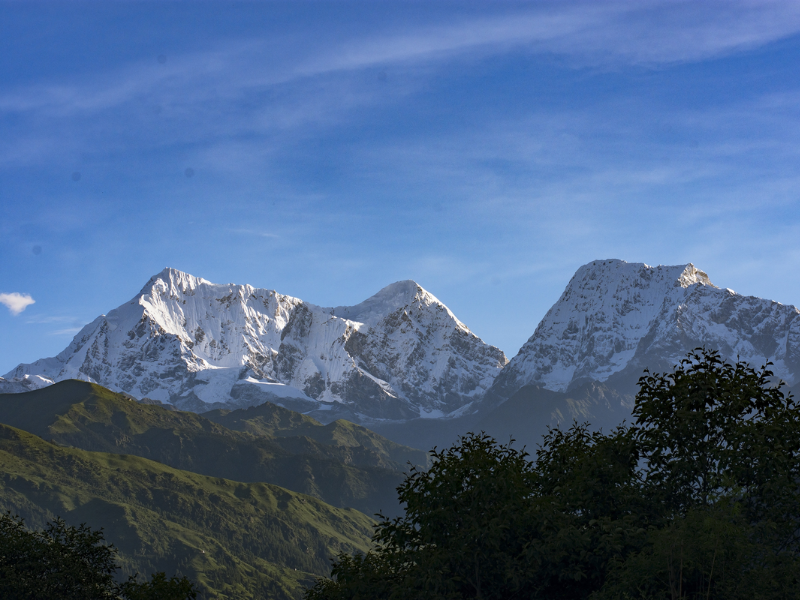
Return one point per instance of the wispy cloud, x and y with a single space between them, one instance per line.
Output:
626 32
16 302
254 232
649 33
67 331
238 108
50 319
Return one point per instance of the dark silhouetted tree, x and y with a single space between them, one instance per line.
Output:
698 498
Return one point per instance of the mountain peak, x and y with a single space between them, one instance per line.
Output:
615 318
692 275
615 269
394 296
173 279
200 345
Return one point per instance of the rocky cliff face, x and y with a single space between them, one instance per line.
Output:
183 340
616 318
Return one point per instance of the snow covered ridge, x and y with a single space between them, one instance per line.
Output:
616 318
26 383
398 355
402 354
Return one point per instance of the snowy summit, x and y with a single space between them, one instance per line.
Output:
615 318
183 340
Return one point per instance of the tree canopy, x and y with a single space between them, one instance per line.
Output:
698 498
72 563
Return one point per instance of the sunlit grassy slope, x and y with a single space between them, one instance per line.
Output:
295 432
341 463
237 540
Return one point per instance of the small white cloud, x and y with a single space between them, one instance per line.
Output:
16 302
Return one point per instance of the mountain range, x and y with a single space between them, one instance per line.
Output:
403 364
248 503
219 448
235 540
182 340
341 463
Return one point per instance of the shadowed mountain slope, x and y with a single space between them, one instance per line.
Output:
528 413
90 417
294 431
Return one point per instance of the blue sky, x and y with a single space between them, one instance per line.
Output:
325 150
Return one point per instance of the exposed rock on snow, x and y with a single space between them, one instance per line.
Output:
401 354
616 318
198 346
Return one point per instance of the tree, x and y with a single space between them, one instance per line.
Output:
460 535
485 522
587 510
721 449
71 563
59 562
711 429
709 552
698 498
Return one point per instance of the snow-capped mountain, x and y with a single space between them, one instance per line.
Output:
183 340
402 355
615 318
26 383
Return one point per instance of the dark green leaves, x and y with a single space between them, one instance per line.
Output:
698 498
59 562
710 430
158 588
71 563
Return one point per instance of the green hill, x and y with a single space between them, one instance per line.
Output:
236 540
344 440
343 464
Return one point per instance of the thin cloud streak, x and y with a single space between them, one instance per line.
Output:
621 32
263 234
68 331
590 33
43 319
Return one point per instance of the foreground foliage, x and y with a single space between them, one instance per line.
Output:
64 561
698 498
